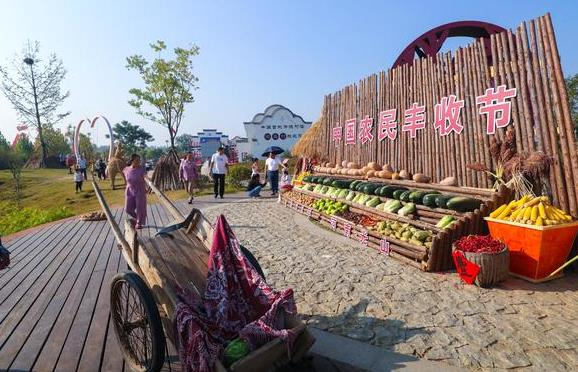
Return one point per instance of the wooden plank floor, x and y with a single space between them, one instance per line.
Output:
54 299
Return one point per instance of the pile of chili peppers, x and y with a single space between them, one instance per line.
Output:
479 244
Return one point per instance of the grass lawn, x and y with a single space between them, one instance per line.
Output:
48 195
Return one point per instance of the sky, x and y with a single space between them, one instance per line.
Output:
252 53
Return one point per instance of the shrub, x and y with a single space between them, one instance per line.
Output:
238 173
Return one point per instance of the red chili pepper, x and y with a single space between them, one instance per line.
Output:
479 244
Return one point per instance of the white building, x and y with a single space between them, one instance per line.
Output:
242 145
206 142
276 126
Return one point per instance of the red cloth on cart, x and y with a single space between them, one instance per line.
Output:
236 302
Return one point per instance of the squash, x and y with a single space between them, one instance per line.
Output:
404 175
442 200
374 166
395 176
344 163
329 165
352 165
463 204
387 167
421 178
385 174
449 181
370 173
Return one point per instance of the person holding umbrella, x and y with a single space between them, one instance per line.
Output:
272 165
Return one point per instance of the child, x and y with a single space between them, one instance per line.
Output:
285 183
255 167
136 191
78 178
254 187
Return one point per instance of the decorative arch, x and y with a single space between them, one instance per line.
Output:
76 144
428 44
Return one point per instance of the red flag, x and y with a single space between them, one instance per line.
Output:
466 269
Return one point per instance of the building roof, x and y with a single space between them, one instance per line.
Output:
270 111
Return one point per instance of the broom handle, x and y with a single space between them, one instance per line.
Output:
564 266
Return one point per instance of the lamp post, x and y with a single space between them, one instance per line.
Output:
30 62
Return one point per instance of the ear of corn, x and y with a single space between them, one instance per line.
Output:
531 210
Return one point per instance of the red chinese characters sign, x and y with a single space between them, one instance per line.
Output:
494 106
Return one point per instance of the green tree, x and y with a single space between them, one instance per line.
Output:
87 148
154 153
14 161
33 88
55 142
133 137
168 86
24 147
4 147
572 88
184 142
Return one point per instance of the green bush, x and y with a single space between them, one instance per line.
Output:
16 219
238 173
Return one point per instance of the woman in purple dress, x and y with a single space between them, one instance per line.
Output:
188 175
136 191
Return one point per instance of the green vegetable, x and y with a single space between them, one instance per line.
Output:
445 221
463 204
353 185
421 235
235 350
429 199
405 196
397 193
351 195
393 206
442 200
415 242
417 196
407 209
327 181
370 188
373 202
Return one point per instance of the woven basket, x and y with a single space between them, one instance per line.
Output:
494 267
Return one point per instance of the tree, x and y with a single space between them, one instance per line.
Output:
24 146
33 88
154 153
133 137
55 142
4 147
184 142
168 86
86 148
572 88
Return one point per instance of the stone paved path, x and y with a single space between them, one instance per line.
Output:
346 289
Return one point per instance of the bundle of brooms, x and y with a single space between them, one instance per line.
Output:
524 172
166 173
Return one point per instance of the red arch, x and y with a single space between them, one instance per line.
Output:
431 42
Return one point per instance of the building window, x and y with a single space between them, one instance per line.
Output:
268 127
254 140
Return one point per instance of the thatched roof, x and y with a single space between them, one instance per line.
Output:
308 143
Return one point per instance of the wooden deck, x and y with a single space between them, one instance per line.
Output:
54 299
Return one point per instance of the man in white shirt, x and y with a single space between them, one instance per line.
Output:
272 165
218 166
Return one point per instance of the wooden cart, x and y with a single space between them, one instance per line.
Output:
142 301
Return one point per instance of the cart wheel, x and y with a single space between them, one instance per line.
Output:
249 256
137 323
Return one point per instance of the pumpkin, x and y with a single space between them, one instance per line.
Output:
344 163
370 173
421 178
387 167
385 174
374 166
395 176
404 175
352 165
330 165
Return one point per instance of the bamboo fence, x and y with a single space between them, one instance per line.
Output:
526 59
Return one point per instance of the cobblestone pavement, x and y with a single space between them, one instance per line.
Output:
353 291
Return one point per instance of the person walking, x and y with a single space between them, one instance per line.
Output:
82 166
272 165
136 191
218 166
78 178
101 169
188 174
